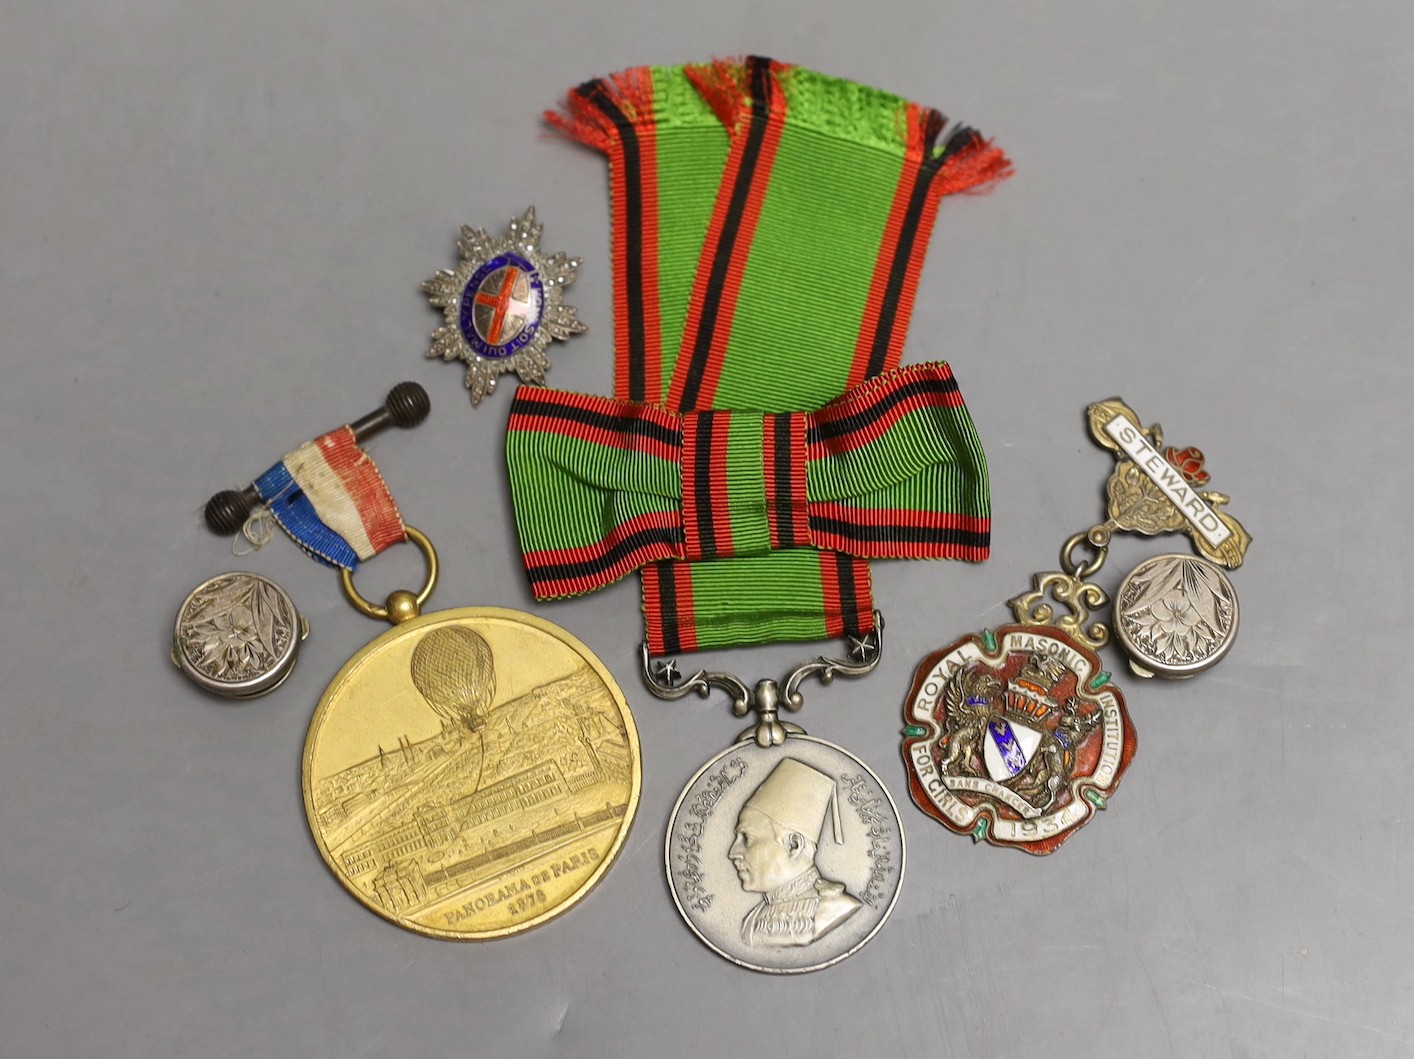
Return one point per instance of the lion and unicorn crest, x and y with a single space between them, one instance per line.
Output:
1022 733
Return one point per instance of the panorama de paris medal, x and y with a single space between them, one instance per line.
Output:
784 852
1017 735
470 773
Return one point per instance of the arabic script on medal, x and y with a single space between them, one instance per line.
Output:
785 859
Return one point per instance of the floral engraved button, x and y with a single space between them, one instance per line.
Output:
238 635
1176 615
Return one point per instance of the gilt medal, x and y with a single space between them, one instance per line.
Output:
471 773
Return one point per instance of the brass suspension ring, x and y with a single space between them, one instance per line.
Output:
1081 570
373 610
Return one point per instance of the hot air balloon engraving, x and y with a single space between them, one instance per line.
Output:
454 671
471 773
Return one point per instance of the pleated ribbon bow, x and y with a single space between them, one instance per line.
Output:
890 469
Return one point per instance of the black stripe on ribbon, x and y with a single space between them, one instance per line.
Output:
668 608
626 424
785 523
872 413
849 593
596 93
885 532
702 486
903 251
760 70
643 538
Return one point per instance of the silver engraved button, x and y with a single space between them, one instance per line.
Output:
1176 615
238 635
785 858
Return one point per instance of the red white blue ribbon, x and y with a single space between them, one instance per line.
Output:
329 497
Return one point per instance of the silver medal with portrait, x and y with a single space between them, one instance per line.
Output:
785 858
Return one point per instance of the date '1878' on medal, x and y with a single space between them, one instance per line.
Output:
471 773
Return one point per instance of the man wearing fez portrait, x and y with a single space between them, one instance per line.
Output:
777 833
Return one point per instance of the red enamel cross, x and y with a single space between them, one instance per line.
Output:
505 303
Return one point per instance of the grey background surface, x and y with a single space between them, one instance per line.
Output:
214 219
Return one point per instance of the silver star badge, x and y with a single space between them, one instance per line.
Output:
503 304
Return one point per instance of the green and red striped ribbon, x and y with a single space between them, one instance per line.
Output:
811 201
600 487
666 150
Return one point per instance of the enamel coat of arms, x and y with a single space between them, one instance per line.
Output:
1015 736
